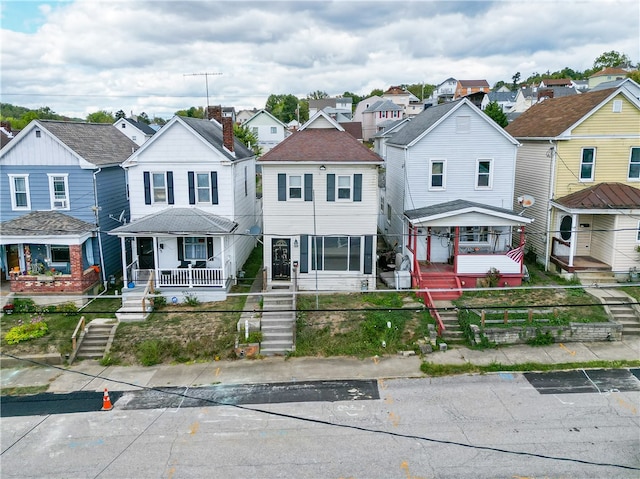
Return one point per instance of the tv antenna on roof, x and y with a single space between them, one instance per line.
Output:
206 77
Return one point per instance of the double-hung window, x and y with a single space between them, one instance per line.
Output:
634 164
587 164
436 175
59 191
20 197
203 188
295 187
344 187
195 248
159 187
483 174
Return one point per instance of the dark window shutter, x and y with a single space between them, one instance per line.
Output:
180 249
209 248
308 187
192 188
331 187
304 254
170 187
282 187
214 187
357 187
147 188
368 254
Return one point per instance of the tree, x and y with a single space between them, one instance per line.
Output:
376 92
498 85
317 95
246 136
193 112
120 114
283 107
144 118
494 111
610 59
516 80
634 75
355 99
101 116
159 121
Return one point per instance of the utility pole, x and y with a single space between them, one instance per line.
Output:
206 77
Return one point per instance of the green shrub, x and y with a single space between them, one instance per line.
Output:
149 352
68 309
541 339
191 299
25 332
159 301
24 305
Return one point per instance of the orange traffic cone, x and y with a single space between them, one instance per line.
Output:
106 402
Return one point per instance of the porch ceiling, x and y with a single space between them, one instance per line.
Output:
467 213
178 221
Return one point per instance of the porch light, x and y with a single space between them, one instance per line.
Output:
295 243
322 168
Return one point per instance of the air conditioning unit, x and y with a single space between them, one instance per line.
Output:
59 203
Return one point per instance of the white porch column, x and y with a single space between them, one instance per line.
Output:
123 248
223 257
155 257
574 238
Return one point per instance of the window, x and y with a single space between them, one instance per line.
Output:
388 213
246 181
587 164
638 233
344 187
133 138
124 125
20 198
59 191
295 187
617 106
274 130
203 188
382 204
634 164
335 253
436 181
483 171
159 188
195 249
474 234
60 254
254 131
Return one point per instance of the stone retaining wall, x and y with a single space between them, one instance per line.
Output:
575 332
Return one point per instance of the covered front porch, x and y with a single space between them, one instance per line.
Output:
195 252
447 257
596 230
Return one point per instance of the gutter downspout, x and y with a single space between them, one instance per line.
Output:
552 185
95 210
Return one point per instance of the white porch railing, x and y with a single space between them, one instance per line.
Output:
189 277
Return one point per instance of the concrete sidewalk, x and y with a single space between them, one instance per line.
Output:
91 376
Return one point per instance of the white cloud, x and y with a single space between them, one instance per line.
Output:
133 55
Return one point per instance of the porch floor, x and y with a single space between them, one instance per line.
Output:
580 263
435 268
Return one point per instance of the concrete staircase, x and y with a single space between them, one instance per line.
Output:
97 339
278 322
134 306
452 332
588 278
623 312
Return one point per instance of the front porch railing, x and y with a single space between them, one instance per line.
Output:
189 277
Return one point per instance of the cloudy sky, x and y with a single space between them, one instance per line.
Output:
82 56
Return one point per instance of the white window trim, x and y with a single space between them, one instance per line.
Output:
350 199
52 199
444 174
477 174
197 188
289 198
153 188
12 186
593 165
630 178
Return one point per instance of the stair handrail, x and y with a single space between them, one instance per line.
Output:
79 328
429 303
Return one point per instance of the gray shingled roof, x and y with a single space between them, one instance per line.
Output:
98 143
422 122
452 206
142 126
384 105
211 132
178 221
39 223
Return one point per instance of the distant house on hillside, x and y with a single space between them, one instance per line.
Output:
136 131
467 87
607 74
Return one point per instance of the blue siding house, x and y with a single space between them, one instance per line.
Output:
61 190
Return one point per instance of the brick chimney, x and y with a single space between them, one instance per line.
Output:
227 133
215 112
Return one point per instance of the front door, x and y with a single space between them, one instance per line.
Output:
145 253
280 259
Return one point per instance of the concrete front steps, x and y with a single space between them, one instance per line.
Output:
588 278
132 308
624 313
97 339
449 315
278 322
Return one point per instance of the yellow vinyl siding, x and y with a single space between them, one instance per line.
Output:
605 122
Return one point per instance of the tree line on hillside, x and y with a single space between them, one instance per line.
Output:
288 107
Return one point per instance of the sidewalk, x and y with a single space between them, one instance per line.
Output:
82 376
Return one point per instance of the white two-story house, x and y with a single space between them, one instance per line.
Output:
320 209
193 208
267 129
448 198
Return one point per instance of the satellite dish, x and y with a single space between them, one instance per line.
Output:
254 230
526 200
121 217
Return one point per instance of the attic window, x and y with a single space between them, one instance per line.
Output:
124 125
38 133
617 106
463 124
